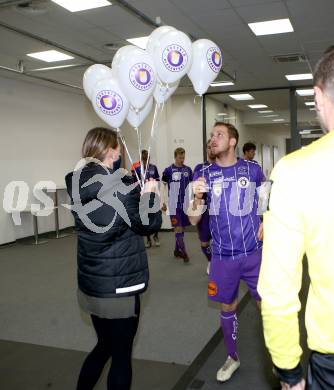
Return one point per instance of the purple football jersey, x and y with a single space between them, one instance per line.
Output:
151 173
232 201
178 179
200 169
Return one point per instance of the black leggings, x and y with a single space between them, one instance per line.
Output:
115 340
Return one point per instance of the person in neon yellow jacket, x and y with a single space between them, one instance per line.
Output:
300 220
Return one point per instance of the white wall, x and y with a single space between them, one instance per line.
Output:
42 129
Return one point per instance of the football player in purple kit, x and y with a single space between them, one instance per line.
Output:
203 227
151 173
178 176
231 197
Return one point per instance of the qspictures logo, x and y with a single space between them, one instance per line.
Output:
175 58
109 102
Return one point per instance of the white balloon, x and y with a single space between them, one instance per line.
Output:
153 39
119 53
134 69
206 64
163 92
136 118
172 56
110 103
92 75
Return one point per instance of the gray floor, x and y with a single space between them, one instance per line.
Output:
31 367
255 372
45 337
38 284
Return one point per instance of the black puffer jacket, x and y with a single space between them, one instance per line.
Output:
112 260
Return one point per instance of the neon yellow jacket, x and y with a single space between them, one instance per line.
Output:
300 220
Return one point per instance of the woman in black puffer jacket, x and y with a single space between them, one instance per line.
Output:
111 216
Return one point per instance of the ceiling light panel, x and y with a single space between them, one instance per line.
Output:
305 92
257 106
140 42
81 5
242 96
50 56
300 76
270 27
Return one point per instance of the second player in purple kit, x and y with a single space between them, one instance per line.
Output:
151 172
230 187
203 228
178 177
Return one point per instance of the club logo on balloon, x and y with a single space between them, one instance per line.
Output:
142 76
175 58
109 102
214 59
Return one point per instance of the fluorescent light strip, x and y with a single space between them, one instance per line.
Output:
269 116
222 114
278 120
305 92
221 83
269 27
50 56
309 104
81 5
52 68
312 109
140 42
300 76
265 111
242 96
257 106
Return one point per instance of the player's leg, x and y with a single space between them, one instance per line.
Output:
224 279
156 239
148 243
250 271
179 235
204 235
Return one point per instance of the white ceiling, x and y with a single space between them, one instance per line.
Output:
224 21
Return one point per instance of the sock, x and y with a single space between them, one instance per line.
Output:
229 324
207 252
179 242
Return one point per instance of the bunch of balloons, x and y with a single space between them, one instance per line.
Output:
136 77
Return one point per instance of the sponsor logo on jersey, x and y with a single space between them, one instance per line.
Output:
176 176
212 289
217 188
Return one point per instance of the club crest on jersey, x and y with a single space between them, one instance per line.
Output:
176 176
185 174
243 182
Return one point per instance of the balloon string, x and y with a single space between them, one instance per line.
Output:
128 153
142 176
200 96
154 122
